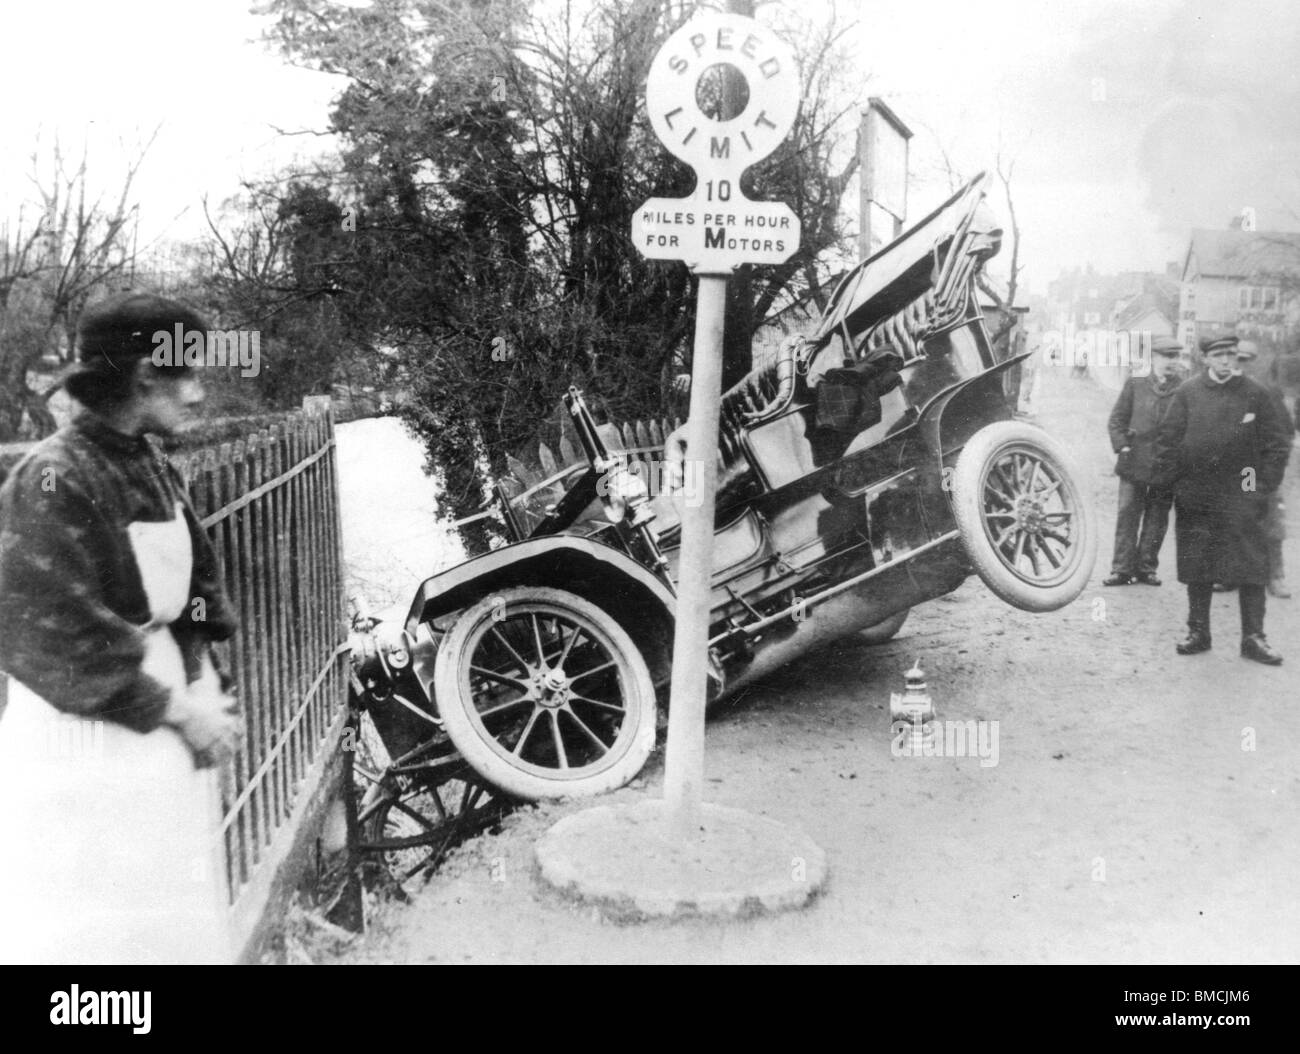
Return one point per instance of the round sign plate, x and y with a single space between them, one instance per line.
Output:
723 147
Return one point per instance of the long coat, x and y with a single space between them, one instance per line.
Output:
1223 448
1135 423
102 560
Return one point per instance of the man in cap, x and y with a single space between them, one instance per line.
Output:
1223 447
1143 515
1275 524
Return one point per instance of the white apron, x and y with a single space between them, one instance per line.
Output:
107 834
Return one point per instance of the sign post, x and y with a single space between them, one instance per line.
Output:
684 765
722 93
714 230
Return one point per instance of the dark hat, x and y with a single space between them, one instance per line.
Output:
116 334
1218 340
1165 346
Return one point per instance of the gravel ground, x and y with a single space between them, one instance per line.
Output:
1142 808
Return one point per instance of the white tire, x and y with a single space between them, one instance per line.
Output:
1022 517
545 695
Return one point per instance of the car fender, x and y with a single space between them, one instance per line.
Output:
633 596
949 419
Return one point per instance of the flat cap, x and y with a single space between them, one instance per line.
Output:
1165 346
1218 340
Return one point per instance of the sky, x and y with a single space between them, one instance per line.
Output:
1128 121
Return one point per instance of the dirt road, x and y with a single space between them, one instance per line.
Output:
1142 808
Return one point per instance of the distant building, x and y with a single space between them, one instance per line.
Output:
1139 301
1240 279
1153 312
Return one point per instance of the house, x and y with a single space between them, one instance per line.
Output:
1154 311
1242 280
1083 299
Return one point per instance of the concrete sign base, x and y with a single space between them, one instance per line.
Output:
624 861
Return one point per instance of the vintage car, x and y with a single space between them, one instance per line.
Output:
868 467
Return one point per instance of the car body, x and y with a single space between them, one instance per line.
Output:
868 467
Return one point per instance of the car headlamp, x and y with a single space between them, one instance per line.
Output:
394 645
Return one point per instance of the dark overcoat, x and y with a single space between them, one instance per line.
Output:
1135 423
1223 448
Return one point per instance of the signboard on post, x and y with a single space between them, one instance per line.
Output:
883 158
714 230
717 228
714 237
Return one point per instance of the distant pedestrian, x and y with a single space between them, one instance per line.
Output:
1079 371
1143 515
1223 447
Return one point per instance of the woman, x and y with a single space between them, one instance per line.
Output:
109 598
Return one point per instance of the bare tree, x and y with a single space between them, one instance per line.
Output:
83 244
1005 306
19 264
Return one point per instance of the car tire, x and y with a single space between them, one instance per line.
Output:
886 629
412 826
508 687
1022 518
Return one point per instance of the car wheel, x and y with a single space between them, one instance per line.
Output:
413 826
1021 515
886 630
545 695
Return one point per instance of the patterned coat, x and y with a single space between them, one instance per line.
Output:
73 604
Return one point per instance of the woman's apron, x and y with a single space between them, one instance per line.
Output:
109 835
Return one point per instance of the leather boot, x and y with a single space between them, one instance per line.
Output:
1196 641
1257 648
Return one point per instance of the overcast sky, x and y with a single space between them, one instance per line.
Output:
1129 121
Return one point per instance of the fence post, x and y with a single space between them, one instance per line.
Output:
348 909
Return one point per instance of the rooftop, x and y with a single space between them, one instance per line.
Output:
1241 254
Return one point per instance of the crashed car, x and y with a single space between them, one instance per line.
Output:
870 466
